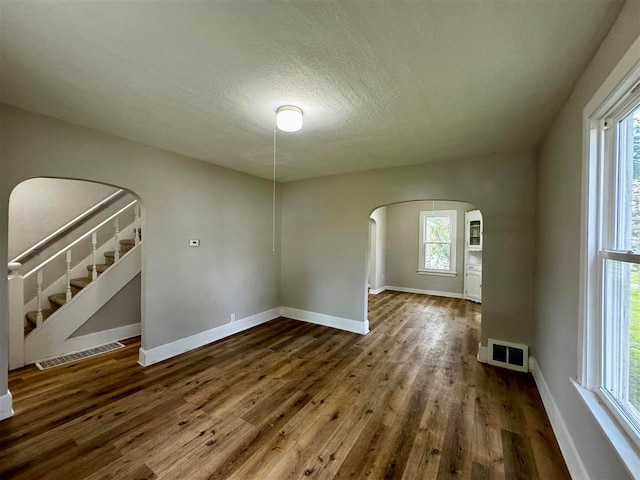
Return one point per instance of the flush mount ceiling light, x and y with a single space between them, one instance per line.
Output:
289 118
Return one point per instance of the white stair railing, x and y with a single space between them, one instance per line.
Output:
16 281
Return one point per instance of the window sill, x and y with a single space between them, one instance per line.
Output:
619 439
438 274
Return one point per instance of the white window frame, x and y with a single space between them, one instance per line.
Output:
453 216
599 117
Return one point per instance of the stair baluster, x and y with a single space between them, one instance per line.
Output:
94 247
68 261
136 210
39 281
116 254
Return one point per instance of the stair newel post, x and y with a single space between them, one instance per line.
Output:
116 254
68 262
136 210
39 281
94 247
16 316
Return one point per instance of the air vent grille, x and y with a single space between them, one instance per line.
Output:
514 356
74 357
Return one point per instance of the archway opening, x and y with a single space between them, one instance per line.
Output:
75 269
425 248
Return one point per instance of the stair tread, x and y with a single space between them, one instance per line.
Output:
58 298
32 316
81 282
100 267
112 253
128 241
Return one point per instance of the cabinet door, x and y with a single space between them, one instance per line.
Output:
473 229
474 237
473 286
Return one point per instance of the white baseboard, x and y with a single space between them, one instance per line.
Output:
353 326
483 354
6 405
377 290
565 440
169 350
75 344
424 292
163 352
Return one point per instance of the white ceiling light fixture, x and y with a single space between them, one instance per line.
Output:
289 118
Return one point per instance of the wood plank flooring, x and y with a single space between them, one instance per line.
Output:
290 400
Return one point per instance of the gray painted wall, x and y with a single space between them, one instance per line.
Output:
558 242
185 290
40 206
123 309
325 234
403 231
379 216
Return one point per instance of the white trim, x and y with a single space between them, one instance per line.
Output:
437 273
453 221
6 406
377 290
621 442
425 292
340 323
595 203
620 79
76 344
168 350
565 440
483 354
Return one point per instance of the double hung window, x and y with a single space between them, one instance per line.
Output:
437 242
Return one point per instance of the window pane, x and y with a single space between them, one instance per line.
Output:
437 256
621 337
628 229
438 229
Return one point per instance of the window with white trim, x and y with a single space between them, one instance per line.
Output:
437 242
615 287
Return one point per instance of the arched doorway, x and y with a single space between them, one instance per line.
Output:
427 247
75 261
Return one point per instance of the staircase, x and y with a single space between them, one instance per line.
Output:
57 300
73 297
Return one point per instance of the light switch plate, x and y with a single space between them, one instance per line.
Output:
194 243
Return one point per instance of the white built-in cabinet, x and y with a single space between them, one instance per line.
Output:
473 256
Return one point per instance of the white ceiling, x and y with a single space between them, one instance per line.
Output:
381 83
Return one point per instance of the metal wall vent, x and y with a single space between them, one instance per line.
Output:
74 357
514 356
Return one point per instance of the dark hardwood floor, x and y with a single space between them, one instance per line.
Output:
290 400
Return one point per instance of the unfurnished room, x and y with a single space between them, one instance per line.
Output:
268 240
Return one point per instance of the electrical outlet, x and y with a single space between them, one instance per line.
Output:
194 242
233 317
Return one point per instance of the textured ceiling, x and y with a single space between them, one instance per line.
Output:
381 83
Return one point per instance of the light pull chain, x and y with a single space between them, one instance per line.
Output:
274 191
